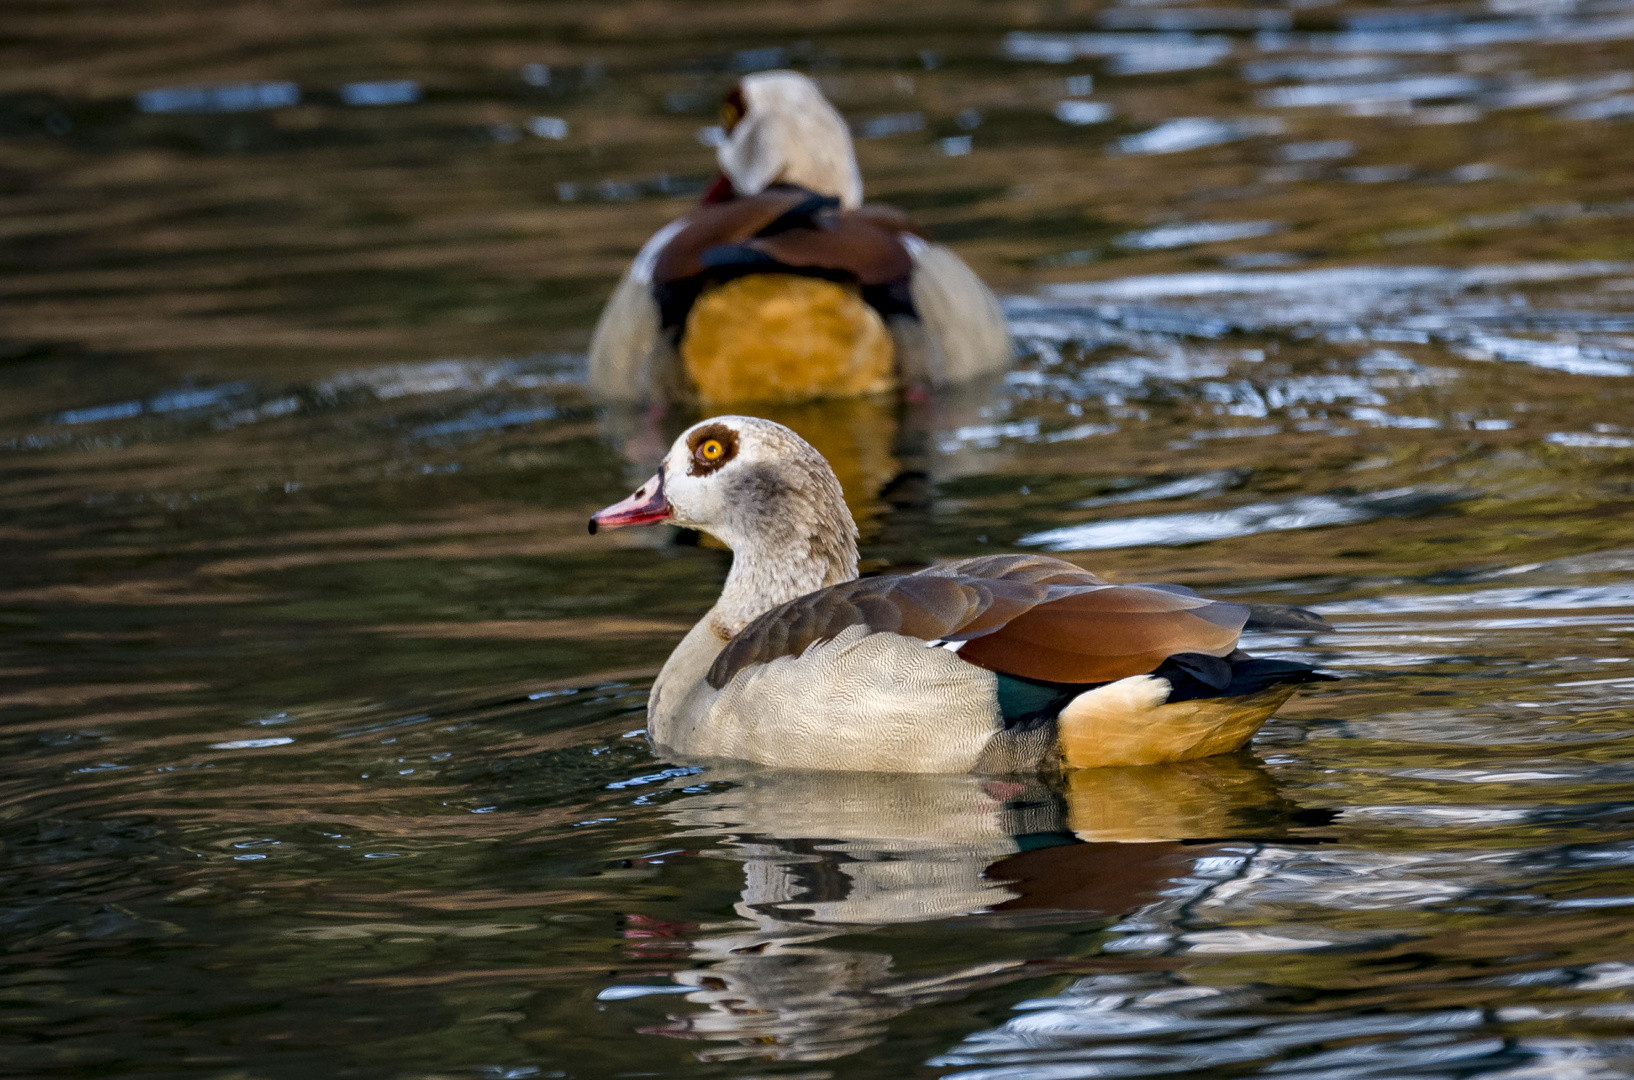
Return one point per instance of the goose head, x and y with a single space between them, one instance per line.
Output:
741 479
781 130
764 492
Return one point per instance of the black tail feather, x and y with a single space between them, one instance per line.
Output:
1283 617
1029 703
1196 675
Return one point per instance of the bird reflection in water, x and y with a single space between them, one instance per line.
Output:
831 854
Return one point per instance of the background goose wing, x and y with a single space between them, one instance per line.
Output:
722 223
1032 616
621 364
621 347
848 243
964 325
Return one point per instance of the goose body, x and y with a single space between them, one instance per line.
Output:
1001 663
782 286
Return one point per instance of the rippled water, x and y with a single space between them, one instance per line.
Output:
322 714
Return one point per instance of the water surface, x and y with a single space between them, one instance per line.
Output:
322 715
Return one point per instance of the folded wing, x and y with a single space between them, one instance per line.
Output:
1026 615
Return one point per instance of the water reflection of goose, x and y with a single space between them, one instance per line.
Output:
782 286
826 854
1031 660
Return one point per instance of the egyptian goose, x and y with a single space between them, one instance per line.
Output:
1000 663
782 286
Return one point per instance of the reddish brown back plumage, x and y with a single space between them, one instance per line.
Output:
862 245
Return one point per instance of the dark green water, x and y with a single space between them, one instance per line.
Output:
322 714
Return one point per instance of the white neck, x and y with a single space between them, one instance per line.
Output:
766 575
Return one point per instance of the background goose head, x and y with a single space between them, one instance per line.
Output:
760 489
781 130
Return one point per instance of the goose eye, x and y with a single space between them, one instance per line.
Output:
730 115
711 450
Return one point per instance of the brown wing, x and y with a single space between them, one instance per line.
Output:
915 605
861 244
849 242
889 217
1033 616
1105 634
720 223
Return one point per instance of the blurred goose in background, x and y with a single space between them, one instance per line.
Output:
783 286
1002 663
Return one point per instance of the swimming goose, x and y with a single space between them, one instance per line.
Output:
782 286
1000 663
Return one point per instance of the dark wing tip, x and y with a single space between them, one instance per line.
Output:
1283 617
721 671
1192 677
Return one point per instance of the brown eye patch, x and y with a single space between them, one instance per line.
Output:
711 446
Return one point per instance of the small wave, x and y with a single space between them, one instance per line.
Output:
1303 512
1376 279
1539 599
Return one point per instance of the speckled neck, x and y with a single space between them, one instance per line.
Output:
800 538
761 579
